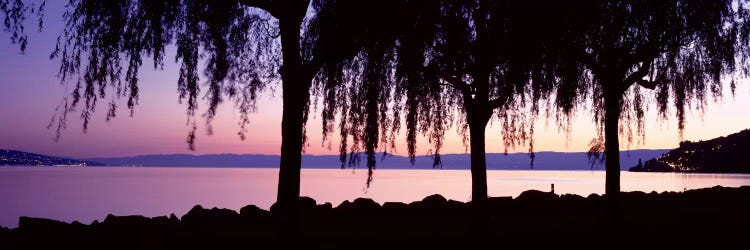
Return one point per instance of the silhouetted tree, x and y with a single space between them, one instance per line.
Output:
355 41
246 44
440 62
678 48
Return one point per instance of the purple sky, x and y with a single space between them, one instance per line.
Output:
30 91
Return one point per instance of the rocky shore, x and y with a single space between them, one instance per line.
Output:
711 217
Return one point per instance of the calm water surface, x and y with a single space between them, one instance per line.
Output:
88 194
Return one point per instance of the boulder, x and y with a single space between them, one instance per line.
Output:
359 204
125 220
572 197
594 197
537 196
213 216
346 204
325 206
304 203
395 205
163 220
173 218
499 202
434 201
454 204
251 211
634 196
365 203
26 223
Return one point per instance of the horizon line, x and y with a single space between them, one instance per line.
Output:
377 153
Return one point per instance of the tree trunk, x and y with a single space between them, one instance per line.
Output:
612 143
477 126
296 94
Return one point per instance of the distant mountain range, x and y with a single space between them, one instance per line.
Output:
19 158
729 154
543 161
519 161
726 154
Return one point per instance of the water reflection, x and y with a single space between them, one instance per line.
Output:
87 194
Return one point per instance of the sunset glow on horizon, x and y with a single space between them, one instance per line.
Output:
30 91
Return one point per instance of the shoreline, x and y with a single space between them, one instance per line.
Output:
704 215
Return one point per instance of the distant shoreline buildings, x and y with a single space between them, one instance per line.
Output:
19 158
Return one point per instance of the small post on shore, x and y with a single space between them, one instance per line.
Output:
553 188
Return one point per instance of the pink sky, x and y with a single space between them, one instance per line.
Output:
29 92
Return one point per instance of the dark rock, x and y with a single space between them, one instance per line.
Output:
415 204
325 206
38 233
453 204
634 196
251 211
346 204
78 225
199 215
162 220
502 201
395 205
536 195
110 217
359 204
365 203
434 201
594 197
125 220
173 218
40 224
669 217
571 197
4 233
195 210
304 203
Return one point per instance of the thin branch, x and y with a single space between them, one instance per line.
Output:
646 83
638 75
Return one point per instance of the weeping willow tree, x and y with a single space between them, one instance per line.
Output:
433 65
245 46
677 51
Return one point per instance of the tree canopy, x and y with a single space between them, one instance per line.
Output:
679 49
104 43
430 64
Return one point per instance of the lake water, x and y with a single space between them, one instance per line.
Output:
88 194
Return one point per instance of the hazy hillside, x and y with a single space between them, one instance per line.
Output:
726 154
19 158
543 160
